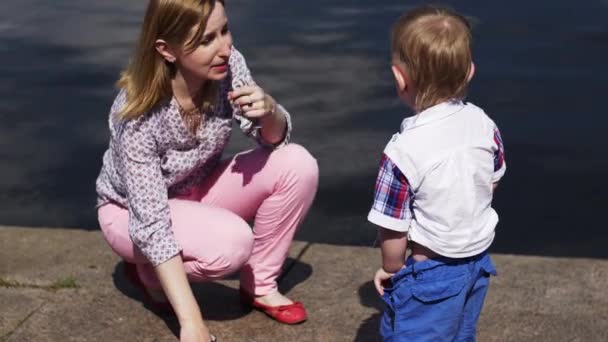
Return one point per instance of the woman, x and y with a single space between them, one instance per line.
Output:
168 205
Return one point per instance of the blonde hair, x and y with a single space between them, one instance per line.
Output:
147 78
434 45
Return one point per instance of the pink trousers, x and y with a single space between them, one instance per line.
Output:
274 189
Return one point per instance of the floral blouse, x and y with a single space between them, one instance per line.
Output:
155 157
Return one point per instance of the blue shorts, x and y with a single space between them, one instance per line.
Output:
439 299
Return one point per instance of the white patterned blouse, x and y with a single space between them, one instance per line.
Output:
155 157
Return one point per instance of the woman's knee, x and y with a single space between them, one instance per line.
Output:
300 162
113 221
239 245
228 247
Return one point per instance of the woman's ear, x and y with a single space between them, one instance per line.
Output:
400 77
471 72
165 50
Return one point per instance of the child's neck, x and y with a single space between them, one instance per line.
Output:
418 111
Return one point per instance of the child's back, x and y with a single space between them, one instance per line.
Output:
447 154
435 185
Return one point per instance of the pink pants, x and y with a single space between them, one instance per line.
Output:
274 189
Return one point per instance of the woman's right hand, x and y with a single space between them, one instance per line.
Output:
195 333
175 284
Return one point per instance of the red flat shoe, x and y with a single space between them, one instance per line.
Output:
130 271
289 314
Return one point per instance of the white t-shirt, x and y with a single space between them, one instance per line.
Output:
451 154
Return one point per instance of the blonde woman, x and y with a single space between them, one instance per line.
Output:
168 204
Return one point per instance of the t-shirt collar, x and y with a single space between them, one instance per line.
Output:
431 114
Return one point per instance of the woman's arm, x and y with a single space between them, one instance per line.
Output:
150 224
274 124
259 115
175 284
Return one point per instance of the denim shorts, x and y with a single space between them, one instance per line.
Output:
438 299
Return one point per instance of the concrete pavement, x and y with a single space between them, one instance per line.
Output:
67 285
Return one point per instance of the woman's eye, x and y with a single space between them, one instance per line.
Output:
206 40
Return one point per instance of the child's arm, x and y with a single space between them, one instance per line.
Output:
393 245
391 212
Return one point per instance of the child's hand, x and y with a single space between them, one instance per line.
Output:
380 280
254 102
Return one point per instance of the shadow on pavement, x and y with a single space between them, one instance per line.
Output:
220 302
368 330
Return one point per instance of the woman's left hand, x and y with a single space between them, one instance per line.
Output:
253 101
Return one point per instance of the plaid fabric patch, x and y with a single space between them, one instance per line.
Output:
392 193
499 155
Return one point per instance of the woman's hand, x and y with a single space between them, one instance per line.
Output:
254 102
175 285
195 333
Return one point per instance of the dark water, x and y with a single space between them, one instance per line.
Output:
541 74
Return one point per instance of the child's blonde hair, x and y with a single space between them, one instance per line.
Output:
434 46
147 78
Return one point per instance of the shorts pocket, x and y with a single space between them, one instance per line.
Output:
487 266
438 290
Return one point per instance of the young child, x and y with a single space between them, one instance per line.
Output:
435 185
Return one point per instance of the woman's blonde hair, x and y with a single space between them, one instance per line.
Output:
147 78
434 45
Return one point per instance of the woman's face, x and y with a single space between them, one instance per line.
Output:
209 60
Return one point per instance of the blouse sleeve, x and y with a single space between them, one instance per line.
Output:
149 215
241 76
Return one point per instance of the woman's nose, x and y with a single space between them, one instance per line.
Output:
226 46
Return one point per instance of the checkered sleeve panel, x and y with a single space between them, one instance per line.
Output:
392 193
499 156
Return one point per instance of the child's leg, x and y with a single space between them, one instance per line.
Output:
275 189
426 302
475 298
